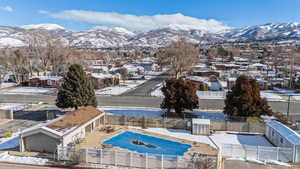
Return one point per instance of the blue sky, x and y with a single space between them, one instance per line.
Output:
83 14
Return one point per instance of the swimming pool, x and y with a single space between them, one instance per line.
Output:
213 116
150 144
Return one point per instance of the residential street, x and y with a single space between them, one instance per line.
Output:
146 88
142 101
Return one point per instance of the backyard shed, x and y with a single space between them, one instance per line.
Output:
200 126
282 136
65 130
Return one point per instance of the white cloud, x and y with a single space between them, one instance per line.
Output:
7 8
43 12
140 23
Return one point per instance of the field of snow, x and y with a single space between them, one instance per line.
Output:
30 91
7 85
5 157
221 138
122 88
13 106
270 95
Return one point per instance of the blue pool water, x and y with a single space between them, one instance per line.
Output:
157 145
214 116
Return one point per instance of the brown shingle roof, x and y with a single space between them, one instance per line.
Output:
75 118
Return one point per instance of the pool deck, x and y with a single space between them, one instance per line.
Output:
94 140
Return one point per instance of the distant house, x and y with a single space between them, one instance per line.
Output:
45 81
65 130
101 80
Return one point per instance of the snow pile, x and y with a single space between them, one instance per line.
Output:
5 157
43 26
157 92
7 85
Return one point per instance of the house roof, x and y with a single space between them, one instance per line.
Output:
75 118
292 136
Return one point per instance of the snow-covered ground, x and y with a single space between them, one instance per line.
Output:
221 138
157 91
7 85
5 157
218 138
122 88
270 95
30 91
14 106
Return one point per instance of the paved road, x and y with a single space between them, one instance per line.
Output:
142 101
146 88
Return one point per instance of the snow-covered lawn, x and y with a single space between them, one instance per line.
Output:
7 85
270 95
30 91
122 88
5 157
221 138
14 106
180 134
157 91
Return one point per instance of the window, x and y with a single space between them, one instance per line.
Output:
281 140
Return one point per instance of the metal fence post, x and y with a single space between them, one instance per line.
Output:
115 158
257 152
101 153
146 160
86 155
130 159
176 162
277 154
162 161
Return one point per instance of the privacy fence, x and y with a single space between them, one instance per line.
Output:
257 152
179 123
133 160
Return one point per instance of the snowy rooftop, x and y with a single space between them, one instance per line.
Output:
285 131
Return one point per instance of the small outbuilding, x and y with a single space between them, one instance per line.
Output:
200 126
282 136
65 130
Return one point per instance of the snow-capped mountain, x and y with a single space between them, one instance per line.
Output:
103 37
49 27
266 32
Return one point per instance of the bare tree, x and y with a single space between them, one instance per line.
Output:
181 56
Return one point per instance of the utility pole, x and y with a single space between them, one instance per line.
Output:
288 106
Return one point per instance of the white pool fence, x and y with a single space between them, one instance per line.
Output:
211 94
104 157
257 152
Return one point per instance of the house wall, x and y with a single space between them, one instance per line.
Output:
41 143
80 131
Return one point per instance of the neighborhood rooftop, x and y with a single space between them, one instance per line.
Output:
75 118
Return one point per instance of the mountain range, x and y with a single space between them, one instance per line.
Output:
104 37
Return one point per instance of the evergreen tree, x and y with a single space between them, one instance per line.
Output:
180 94
245 100
76 90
